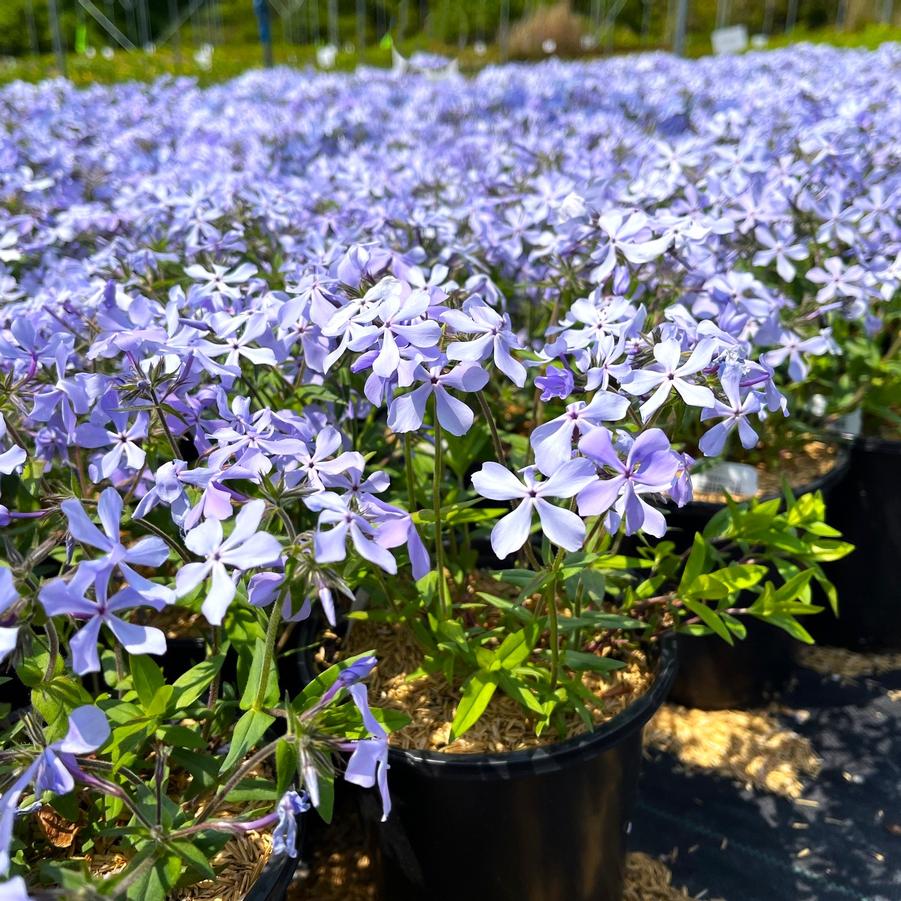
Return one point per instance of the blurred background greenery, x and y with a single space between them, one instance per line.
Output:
216 39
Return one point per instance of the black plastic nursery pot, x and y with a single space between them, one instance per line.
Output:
866 508
714 675
276 877
542 824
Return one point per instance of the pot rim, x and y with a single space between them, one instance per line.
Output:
504 764
825 481
872 443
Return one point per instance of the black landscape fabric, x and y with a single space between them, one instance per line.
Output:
841 840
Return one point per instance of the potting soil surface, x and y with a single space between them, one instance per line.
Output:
840 838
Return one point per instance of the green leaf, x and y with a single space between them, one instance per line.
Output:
790 625
159 704
189 686
516 647
248 731
147 678
326 806
591 620
285 765
795 587
508 606
193 857
582 660
519 692
826 550
706 586
254 676
55 700
182 737
157 882
478 690
260 788
709 618
694 565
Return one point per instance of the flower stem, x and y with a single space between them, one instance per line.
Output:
185 556
237 776
275 618
553 626
492 425
554 632
53 642
213 695
408 467
443 602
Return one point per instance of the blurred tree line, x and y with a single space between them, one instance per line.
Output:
25 24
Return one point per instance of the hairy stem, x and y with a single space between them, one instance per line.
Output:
275 618
443 601
408 468
553 625
168 539
492 425
248 765
53 644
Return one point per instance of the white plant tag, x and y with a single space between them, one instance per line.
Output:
738 479
851 423
729 40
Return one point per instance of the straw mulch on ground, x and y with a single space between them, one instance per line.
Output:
238 866
847 664
751 747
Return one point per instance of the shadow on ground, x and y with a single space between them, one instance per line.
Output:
840 840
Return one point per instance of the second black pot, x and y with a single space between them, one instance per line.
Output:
543 824
712 674
716 676
866 508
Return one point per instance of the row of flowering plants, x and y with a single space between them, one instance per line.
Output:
325 373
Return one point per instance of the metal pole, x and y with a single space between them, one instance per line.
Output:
333 22
361 28
314 22
503 31
176 35
403 14
645 21
143 23
681 22
768 16
791 17
57 38
886 13
32 28
261 8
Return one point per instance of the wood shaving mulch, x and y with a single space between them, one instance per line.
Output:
238 866
431 702
815 460
751 747
848 664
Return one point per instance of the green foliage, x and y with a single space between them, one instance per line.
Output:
447 28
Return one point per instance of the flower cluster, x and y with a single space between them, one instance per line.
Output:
246 379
